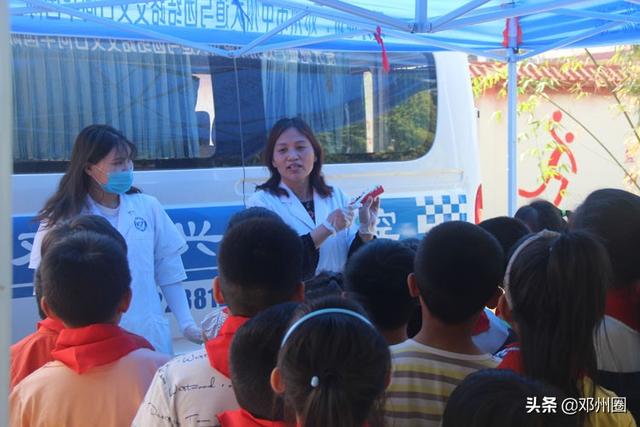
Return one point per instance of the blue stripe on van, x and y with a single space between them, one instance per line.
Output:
22 291
202 227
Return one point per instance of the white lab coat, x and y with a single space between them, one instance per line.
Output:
334 250
154 246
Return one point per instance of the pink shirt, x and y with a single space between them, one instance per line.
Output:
106 396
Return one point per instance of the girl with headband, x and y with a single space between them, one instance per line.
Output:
555 288
333 366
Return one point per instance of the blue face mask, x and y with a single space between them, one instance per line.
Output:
118 182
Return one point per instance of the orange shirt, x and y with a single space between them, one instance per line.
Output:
33 351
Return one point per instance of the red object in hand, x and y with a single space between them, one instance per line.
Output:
378 190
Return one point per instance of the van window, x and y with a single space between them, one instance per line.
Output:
185 108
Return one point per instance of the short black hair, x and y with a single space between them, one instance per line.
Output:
84 277
498 398
324 284
253 355
412 243
260 265
541 215
376 275
614 217
458 268
93 223
251 213
508 231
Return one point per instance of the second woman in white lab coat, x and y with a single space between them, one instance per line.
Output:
99 181
296 190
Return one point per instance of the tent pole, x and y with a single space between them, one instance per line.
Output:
566 42
508 12
436 23
364 13
267 36
6 235
421 16
512 136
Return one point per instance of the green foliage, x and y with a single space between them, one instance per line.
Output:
408 131
533 91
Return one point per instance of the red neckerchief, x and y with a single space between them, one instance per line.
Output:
624 305
482 325
50 324
242 418
512 359
218 347
95 345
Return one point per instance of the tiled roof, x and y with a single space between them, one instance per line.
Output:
588 75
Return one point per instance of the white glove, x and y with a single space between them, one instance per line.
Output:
193 334
368 216
212 322
338 220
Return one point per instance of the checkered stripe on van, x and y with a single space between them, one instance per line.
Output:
440 208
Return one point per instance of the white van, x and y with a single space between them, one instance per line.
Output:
200 121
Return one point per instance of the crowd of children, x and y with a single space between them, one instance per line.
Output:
496 324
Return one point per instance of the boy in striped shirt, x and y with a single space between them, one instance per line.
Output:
458 269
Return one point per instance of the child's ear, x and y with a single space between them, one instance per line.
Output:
47 310
125 302
492 303
503 310
412 283
276 381
298 295
217 292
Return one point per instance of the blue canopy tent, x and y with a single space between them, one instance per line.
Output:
504 30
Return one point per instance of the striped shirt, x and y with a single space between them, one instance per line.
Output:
422 379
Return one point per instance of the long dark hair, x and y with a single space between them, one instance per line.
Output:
350 360
556 287
92 144
315 177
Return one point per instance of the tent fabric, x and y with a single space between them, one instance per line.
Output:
336 24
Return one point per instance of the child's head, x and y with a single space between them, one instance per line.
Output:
323 284
376 276
259 265
333 366
251 213
614 217
458 269
498 398
555 287
507 231
412 243
541 215
94 223
85 279
254 354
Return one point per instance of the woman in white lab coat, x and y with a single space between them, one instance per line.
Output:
98 181
296 191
